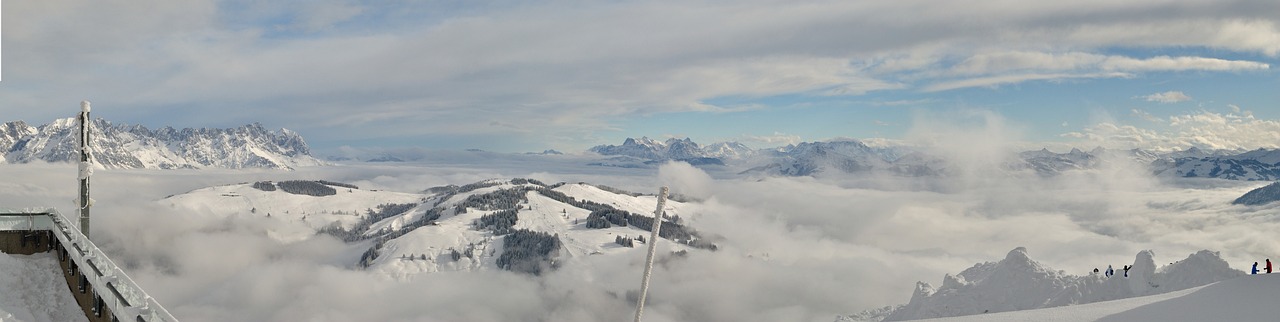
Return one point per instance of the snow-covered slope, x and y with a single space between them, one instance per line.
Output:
32 289
561 211
121 146
1246 298
1019 283
302 214
456 228
1264 195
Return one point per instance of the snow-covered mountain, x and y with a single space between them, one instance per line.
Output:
676 149
121 146
1019 283
854 156
1260 164
847 156
1047 163
519 224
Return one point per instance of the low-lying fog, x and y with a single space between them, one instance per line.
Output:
793 249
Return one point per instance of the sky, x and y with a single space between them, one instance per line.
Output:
518 76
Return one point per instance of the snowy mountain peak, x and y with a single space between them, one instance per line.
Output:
123 146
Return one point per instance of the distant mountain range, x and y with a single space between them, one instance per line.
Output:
676 149
854 156
122 146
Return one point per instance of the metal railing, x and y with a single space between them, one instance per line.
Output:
127 301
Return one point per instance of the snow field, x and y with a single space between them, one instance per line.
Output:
32 289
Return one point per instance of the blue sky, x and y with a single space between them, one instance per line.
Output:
525 76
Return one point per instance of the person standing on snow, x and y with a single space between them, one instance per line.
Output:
1126 270
1110 271
1255 268
1268 266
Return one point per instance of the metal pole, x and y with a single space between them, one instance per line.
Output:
86 168
653 243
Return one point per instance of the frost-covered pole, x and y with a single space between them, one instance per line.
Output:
653 249
86 168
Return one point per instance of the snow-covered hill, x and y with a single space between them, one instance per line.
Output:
301 215
519 224
121 146
1019 283
1261 196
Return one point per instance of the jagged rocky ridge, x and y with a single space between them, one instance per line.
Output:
1019 283
122 146
676 149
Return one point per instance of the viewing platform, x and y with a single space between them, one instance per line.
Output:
101 288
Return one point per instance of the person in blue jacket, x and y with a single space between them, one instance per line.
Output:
1255 268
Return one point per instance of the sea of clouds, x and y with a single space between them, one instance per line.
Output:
792 249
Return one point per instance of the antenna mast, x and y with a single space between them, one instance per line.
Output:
653 243
86 168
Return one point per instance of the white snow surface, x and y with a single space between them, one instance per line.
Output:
1247 298
31 289
1019 283
301 215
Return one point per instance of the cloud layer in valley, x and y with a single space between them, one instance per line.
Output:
791 248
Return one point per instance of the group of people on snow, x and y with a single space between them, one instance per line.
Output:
1268 268
1110 272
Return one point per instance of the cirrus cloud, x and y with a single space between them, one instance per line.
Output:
1167 97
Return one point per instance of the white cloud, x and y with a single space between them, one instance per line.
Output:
995 81
1002 68
1144 115
1166 63
989 63
366 71
793 248
1205 129
771 140
1167 97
